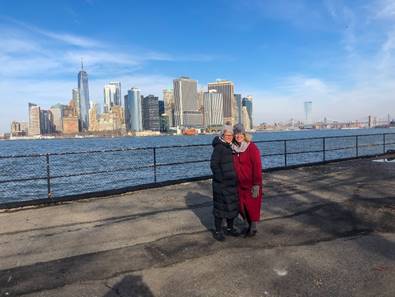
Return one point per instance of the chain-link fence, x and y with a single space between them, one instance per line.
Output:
77 174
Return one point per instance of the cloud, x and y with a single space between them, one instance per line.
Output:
41 66
385 9
328 101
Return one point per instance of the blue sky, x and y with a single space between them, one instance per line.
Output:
338 54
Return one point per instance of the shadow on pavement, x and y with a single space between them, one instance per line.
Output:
204 213
130 285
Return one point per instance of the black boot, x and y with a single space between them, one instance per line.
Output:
218 234
230 230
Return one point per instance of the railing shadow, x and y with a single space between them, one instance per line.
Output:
337 203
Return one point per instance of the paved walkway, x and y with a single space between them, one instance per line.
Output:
326 230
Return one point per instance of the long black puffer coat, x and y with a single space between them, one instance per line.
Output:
226 202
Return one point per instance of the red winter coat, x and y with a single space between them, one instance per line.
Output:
248 168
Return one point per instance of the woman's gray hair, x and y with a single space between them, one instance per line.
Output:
226 128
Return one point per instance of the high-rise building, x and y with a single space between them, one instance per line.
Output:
239 108
19 128
46 122
226 88
107 122
247 102
34 120
200 97
112 95
201 105
127 113
164 123
168 98
246 118
57 114
213 109
119 117
118 93
133 113
308 112
186 110
76 98
93 117
70 118
150 110
161 107
83 91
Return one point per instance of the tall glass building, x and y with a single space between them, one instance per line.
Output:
308 110
239 108
150 110
186 110
83 90
112 95
247 102
133 113
213 109
227 89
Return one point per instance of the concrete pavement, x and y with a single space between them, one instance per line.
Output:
326 230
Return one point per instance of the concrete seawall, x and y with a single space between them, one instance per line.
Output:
326 230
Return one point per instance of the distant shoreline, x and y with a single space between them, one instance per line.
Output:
164 135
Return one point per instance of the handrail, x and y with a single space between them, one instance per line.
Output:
285 146
182 146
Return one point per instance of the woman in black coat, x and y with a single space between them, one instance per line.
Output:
226 203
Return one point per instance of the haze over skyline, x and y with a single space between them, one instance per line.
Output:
340 56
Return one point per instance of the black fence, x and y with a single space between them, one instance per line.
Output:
31 179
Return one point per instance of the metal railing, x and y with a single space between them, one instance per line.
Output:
56 176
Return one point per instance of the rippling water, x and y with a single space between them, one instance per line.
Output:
92 172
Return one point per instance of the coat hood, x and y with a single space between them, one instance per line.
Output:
218 140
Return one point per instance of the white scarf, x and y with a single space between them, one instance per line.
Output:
240 148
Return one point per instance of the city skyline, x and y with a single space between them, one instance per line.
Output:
339 55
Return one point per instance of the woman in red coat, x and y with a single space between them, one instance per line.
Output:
248 166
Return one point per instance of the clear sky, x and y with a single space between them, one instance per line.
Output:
338 54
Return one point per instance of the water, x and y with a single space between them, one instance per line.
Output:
82 173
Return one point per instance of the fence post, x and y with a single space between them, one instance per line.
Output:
155 164
383 143
48 177
323 149
285 153
356 146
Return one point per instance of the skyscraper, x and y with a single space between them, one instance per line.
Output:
133 115
112 95
57 113
213 109
19 128
93 117
46 122
150 111
34 120
247 102
308 112
226 88
83 91
168 98
70 118
76 98
239 108
186 110
161 107
246 118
